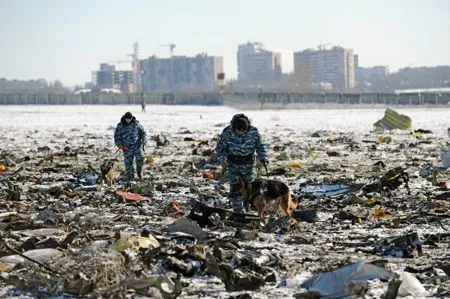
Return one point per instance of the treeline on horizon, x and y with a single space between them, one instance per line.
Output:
32 86
420 77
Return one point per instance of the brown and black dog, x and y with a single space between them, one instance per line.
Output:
261 193
107 171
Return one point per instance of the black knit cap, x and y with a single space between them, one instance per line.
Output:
128 115
241 124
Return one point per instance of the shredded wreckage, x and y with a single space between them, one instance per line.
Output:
368 225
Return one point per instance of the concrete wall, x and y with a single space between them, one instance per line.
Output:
281 99
112 99
40 99
349 98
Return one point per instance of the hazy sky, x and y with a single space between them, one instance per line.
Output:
67 39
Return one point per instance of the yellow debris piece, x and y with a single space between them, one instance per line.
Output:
393 120
295 165
384 139
2 167
379 213
369 202
134 243
4 267
149 159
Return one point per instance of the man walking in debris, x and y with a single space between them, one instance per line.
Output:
130 137
236 150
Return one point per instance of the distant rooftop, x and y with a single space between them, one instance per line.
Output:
423 90
321 48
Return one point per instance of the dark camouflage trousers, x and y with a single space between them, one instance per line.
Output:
128 158
246 173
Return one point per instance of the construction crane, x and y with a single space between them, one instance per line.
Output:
323 46
134 58
135 54
119 61
136 67
171 47
259 46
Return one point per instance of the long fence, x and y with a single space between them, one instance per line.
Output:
264 99
230 99
111 99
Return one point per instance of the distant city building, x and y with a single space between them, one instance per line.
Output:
181 73
257 65
108 78
375 78
374 72
104 67
244 50
335 66
356 68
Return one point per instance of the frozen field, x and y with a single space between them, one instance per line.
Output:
346 151
171 118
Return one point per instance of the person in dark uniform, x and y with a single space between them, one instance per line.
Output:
238 145
130 137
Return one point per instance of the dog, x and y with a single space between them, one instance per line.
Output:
108 173
262 193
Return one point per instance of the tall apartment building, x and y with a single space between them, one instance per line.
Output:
244 50
257 65
108 77
334 66
181 73
356 67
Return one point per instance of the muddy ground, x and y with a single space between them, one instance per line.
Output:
362 195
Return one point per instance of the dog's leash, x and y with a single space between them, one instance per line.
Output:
118 149
265 167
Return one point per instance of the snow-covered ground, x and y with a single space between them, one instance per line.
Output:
27 127
170 118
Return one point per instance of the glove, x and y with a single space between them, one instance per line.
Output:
123 148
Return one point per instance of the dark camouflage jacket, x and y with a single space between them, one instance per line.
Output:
129 135
231 146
